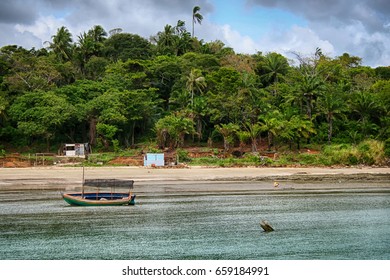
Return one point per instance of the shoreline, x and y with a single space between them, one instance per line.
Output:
200 179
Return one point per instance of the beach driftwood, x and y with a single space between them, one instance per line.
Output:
266 226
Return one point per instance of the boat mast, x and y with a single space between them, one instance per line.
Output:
82 184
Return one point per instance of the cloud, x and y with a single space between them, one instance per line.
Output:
40 19
297 39
42 27
17 11
287 42
232 38
359 27
371 13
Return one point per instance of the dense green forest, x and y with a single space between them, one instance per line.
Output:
116 90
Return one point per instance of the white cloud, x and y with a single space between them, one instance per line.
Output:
240 43
17 38
306 40
43 28
297 39
358 27
356 40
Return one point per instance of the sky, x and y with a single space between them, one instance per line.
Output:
358 27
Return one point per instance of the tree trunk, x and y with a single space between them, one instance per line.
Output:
199 128
48 144
225 144
330 130
309 98
106 144
269 140
92 131
254 145
84 132
132 135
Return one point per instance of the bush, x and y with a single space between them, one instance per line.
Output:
247 160
387 148
100 158
207 161
338 154
308 159
368 152
372 152
115 144
286 159
182 155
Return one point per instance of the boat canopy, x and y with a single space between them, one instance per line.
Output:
113 183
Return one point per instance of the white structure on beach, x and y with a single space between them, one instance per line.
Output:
154 160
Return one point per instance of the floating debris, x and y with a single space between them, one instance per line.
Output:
266 226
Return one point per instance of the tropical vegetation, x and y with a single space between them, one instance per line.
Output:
120 90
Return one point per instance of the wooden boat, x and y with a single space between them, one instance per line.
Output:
98 198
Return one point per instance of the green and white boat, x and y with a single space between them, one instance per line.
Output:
104 198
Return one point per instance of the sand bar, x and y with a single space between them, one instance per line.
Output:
195 179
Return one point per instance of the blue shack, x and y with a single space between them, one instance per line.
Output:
151 159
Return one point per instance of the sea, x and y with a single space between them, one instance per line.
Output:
308 225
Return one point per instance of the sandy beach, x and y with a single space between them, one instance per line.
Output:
196 179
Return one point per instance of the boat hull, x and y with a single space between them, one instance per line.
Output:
99 199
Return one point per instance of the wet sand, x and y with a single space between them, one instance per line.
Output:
199 179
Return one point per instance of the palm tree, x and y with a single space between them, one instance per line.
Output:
228 131
180 27
62 44
275 67
98 34
297 127
364 104
273 123
253 130
311 86
213 47
195 82
166 40
84 50
90 44
198 112
243 136
331 105
196 18
185 43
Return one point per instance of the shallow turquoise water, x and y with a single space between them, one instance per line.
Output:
215 226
